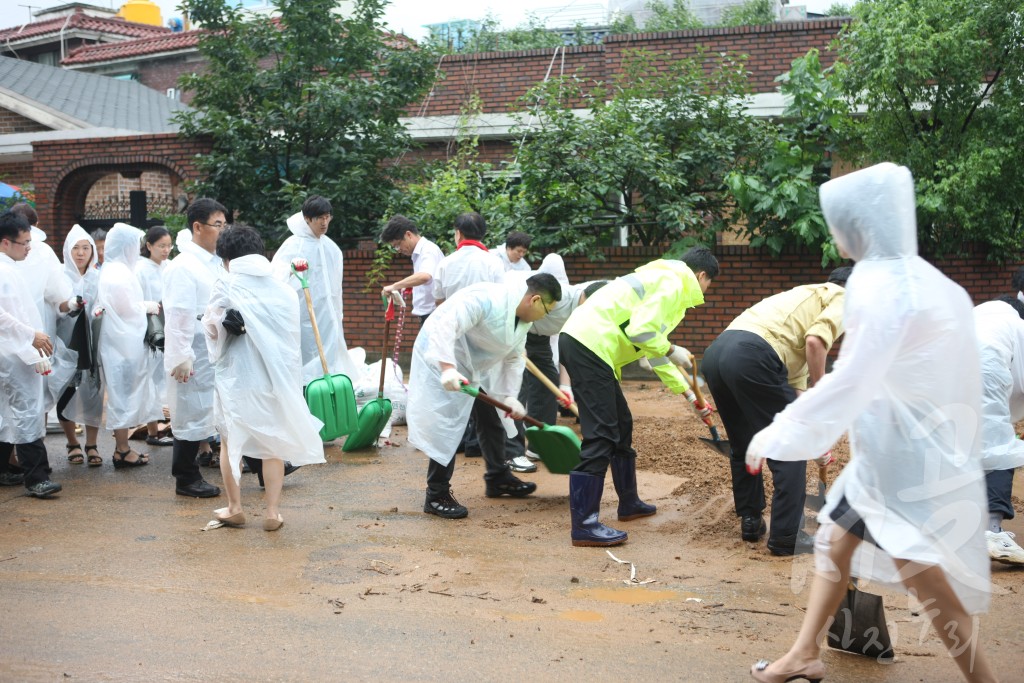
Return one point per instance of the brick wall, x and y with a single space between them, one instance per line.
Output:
115 185
748 275
17 173
11 122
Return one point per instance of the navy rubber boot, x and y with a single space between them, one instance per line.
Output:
624 478
584 505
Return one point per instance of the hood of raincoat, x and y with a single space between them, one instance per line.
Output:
76 235
692 294
122 245
871 212
299 227
253 264
37 234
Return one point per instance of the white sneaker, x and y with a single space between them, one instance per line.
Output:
531 455
1002 548
521 464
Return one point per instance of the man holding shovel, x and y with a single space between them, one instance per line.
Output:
754 369
627 319
476 338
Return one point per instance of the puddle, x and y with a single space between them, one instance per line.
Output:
581 616
628 595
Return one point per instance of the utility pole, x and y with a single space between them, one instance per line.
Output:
30 8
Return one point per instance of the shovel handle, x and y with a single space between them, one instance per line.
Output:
384 356
316 330
697 392
476 393
535 371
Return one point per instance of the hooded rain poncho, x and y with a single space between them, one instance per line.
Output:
1000 333
86 406
22 391
915 475
258 402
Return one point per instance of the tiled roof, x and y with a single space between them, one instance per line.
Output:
92 100
90 54
82 22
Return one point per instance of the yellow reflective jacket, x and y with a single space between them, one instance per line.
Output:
633 315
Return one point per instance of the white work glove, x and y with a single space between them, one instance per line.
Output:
183 371
754 460
98 311
567 391
152 307
705 412
680 356
43 366
73 304
645 364
826 459
452 380
517 411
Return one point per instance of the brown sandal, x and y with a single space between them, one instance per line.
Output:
75 458
93 458
120 462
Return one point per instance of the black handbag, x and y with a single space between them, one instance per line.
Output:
859 626
155 330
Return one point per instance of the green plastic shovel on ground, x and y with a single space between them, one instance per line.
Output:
557 446
374 416
330 398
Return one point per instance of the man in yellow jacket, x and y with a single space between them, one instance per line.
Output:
627 319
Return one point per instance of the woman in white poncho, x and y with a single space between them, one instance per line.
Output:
122 350
309 241
156 247
82 402
258 403
913 489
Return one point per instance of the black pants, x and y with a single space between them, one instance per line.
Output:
750 386
32 457
605 419
183 462
542 403
490 434
1000 486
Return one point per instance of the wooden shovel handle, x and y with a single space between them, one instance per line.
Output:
696 388
535 371
316 330
501 406
384 356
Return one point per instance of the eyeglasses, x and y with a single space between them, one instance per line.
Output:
546 305
20 244
220 225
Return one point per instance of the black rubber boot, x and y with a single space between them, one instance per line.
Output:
624 478
584 505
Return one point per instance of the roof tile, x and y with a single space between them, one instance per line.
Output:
81 22
133 48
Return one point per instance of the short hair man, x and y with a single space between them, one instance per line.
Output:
188 281
628 319
25 351
476 337
513 252
404 237
99 238
470 263
754 369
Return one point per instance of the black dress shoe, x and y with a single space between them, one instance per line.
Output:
752 528
791 544
198 489
509 485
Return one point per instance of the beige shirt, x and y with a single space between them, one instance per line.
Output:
785 320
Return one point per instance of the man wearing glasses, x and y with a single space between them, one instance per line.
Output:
404 237
309 241
24 358
187 284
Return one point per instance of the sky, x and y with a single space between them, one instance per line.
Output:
406 16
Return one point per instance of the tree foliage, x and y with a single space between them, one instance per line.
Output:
750 13
776 192
650 154
674 16
306 103
531 34
941 83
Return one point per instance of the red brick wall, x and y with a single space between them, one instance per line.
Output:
17 173
748 275
117 186
11 122
163 74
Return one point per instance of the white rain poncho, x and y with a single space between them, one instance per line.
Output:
122 350
187 282
501 251
21 389
86 406
150 277
1000 333
907 387
326 267
476 331
466 266
259 407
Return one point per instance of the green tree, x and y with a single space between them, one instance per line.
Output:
776 190
650 154
676 16
941 83
838 9
308 102
750 13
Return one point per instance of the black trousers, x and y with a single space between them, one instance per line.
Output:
490 434
32 457
999 484
64 400
183 462
750 386
605 419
